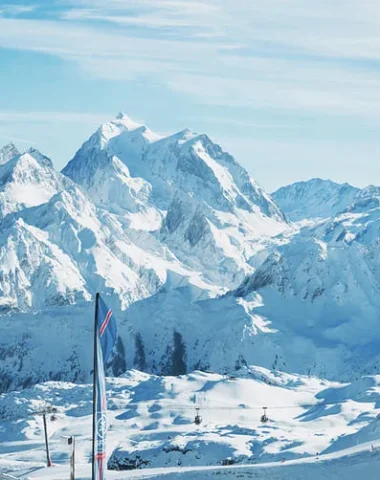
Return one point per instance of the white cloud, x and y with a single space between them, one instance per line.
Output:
144 13
288 85
273 54
14 10
338 28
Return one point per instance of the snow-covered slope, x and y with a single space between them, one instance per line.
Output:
53 247
151 426
312 306
315 198
322 288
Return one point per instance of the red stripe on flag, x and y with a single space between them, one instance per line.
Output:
100 456
100 466
105 323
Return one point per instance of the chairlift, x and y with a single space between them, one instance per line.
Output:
264 418
198 418
53 418
51 409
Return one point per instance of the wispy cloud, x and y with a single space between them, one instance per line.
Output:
144 13
328 28
309 87
16 9
275 54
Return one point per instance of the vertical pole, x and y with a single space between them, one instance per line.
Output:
46 441
73 460
94 385
71 442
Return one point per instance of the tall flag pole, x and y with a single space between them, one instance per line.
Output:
105 334
94 385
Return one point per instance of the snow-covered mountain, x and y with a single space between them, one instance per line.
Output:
27 180
8 152
153 170
140 206
196 259
133 214
312 306
194 198
315 198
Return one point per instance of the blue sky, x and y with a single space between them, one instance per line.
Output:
290 87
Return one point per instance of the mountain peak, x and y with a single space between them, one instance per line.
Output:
9 145
28 180
127 122
8 152
40 157
314 198
184 161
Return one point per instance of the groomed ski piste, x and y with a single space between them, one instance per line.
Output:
316 428
350 464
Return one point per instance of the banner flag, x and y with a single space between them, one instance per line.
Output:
104 341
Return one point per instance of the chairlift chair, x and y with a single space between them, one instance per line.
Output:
264 418
198 418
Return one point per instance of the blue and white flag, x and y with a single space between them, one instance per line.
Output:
106 334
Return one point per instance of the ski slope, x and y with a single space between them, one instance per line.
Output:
350 464
315 426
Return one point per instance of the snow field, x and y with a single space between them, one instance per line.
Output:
151 425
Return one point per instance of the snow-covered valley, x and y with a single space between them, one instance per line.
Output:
276 296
